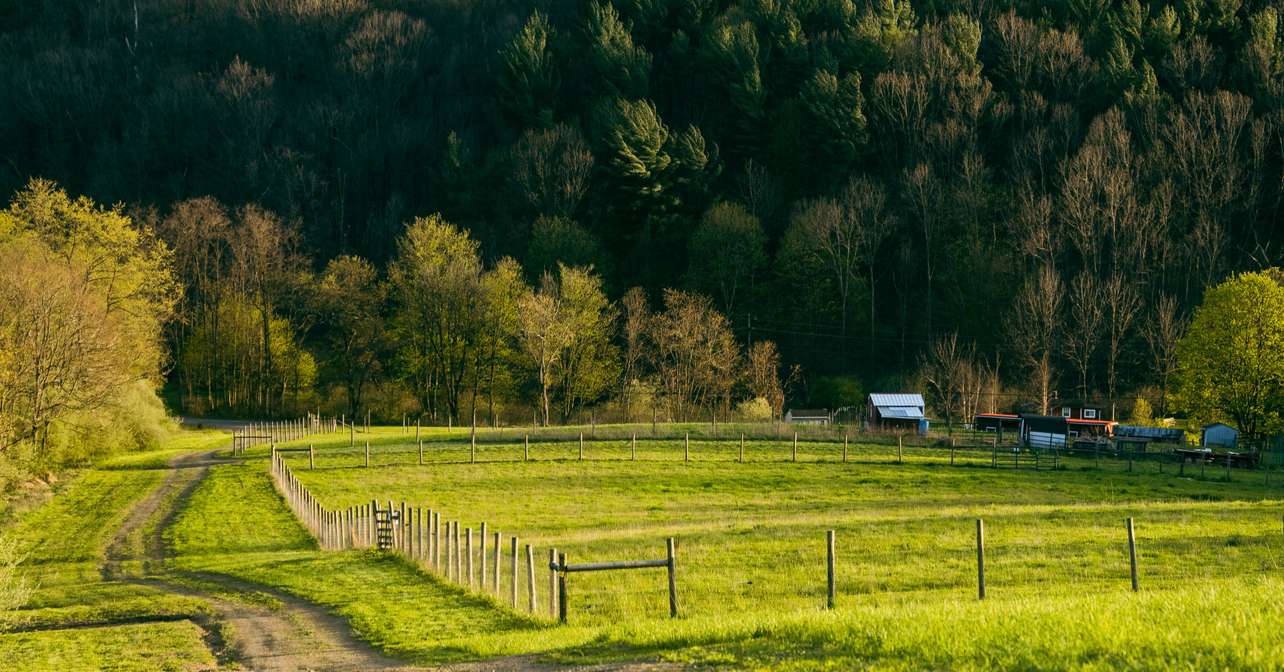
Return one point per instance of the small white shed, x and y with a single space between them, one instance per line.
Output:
1219 434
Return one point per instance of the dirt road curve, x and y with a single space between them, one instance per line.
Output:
298 636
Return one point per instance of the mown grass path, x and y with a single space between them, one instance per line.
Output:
280 633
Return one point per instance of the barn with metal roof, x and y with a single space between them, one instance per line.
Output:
902 411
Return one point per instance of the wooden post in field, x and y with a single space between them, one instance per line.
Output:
367 453
482 552
498 558
459 555
980 559
795 446
633 447
530 577
468 551
472 446
844 446
673 579
900 448
742 447
686 447
526 444
419 534
581 445
436 541
312 457
951 451
829 566
561 589
420 445
552 583
514 586
1132 555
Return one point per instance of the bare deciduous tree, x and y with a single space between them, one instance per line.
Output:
1083 334
1122 302
1163 330
1035 330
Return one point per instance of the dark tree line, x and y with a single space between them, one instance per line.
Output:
1055 182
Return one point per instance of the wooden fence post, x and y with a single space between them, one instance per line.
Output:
900 448
686 447
367 453
526 452
829 566
844 446
482 553
795 446
742 447
561 589
312 457
530 577
472 446
420 444
1132 555
581 445
980 559
552 583
514 586
673 580
633 447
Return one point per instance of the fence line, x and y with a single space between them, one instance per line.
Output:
414 533
281 431
795 448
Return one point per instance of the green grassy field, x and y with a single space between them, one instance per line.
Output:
751 557
64 544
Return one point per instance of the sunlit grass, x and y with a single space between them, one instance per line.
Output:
751 555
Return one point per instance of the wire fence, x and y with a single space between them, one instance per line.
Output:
740 563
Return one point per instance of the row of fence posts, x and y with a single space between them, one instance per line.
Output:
831 558
281 431
421 536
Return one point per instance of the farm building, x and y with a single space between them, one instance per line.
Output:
1151 434
807 416
1044 431
902 411
1219 434
997 422
1090 428
1081 410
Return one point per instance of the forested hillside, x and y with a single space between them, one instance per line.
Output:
1055 182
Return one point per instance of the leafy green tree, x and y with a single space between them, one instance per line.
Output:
559 240
499 365
836 132
1231 361
348 304
727 249
622 68
84 293
436 276
529 76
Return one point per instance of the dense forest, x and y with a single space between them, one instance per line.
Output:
369 204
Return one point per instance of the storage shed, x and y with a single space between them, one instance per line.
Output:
901 411
1219 434
807 416
1044 431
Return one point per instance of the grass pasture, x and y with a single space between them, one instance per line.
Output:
751 555
64 543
